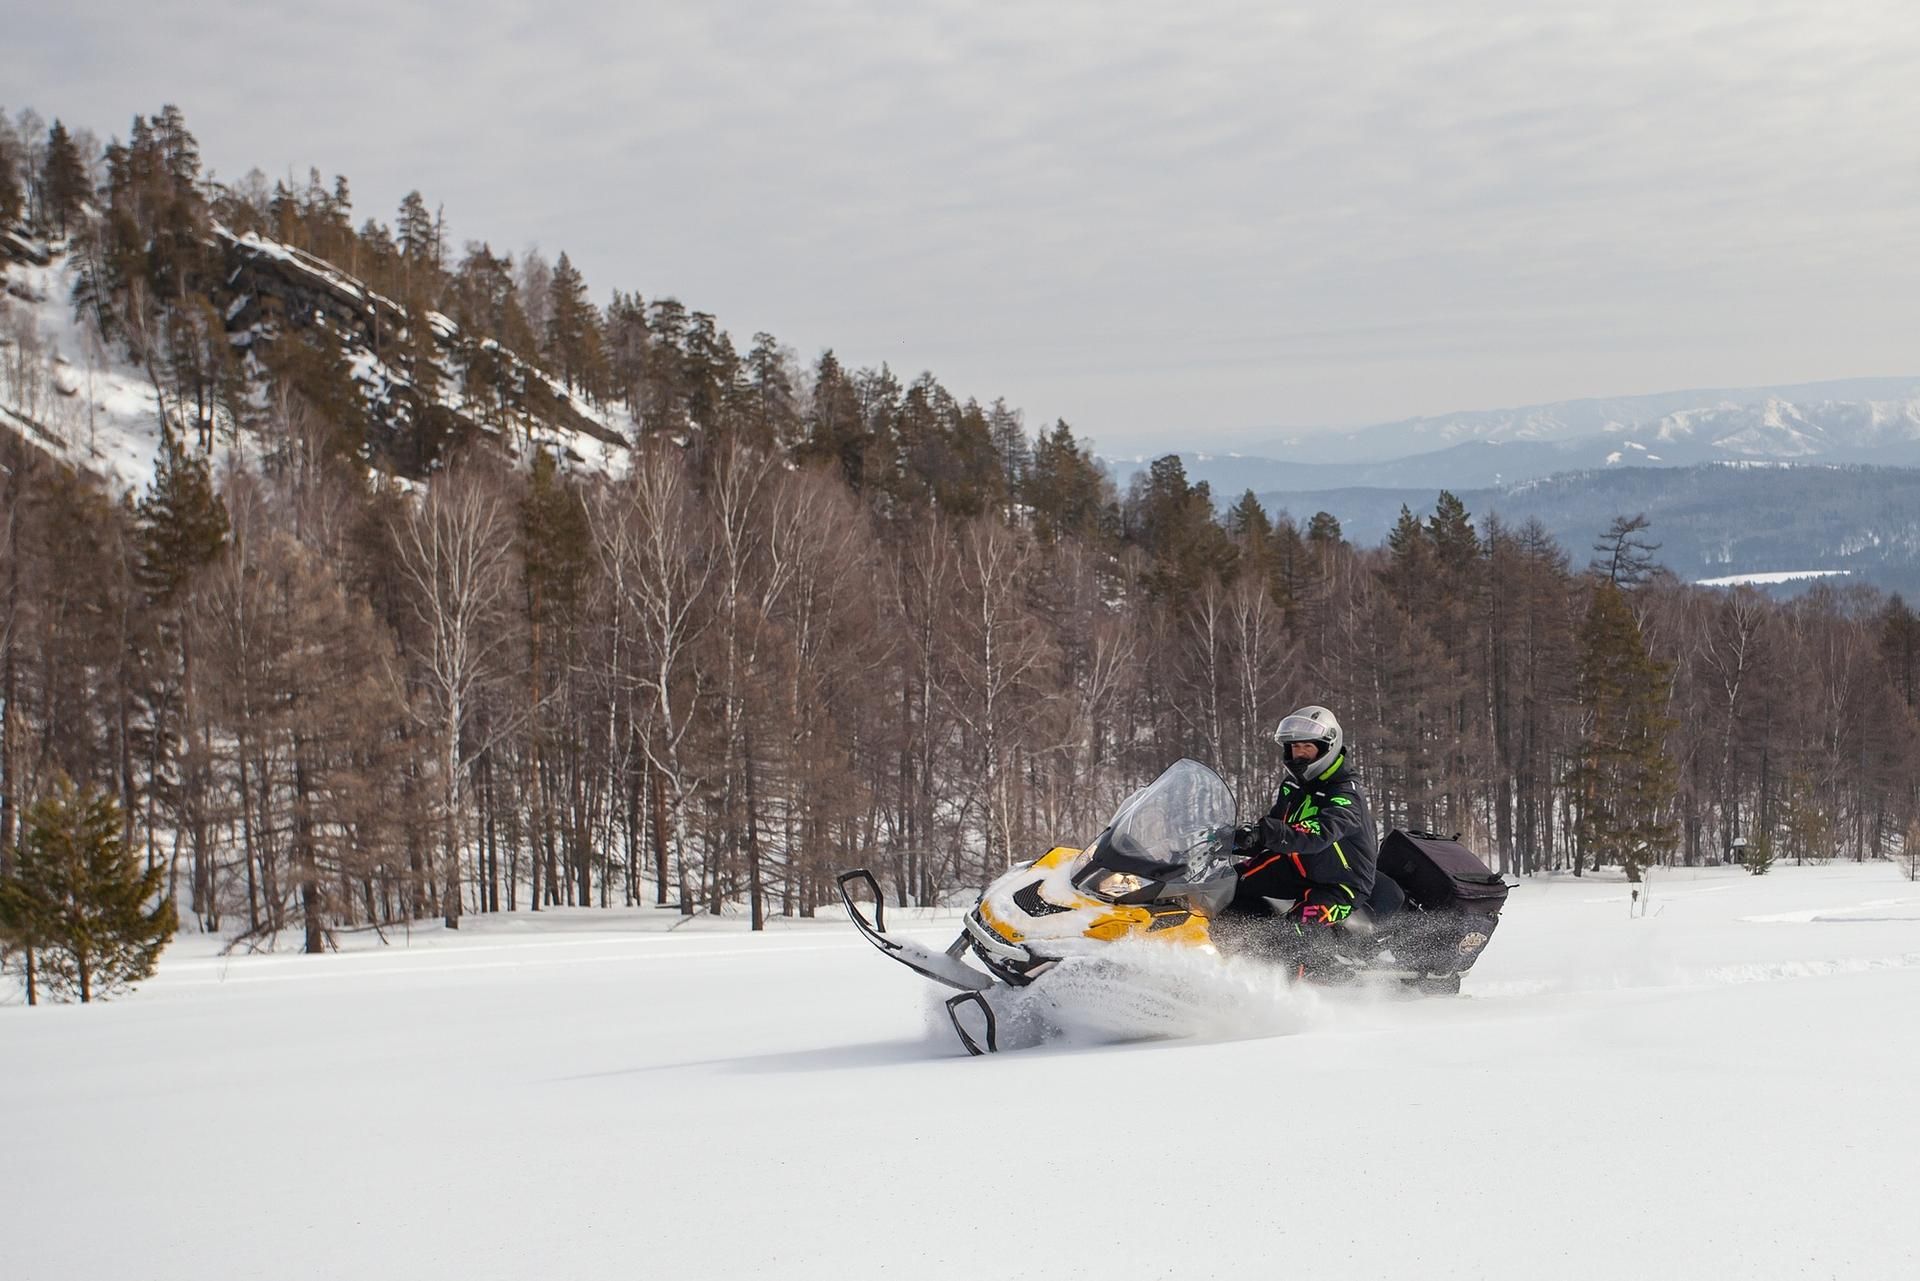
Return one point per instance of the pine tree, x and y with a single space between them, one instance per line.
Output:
180 527
1248 523
774 416
1623 781
183 523
376 239
834 433
201 369
1173 521
413 229
66 179
150 254
923 466
574 344
12 193
178 253
336 219
627 339
708 372
1624 556
1296 572
557 546
1252 533
417 241
1323 531
1010 441
1410 565
75 901
483 295
1807 816
972 475
663 408
1451 534
178 149
1453 598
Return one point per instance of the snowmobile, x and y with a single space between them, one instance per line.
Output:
1162 872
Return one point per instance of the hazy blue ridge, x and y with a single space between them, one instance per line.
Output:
1711 520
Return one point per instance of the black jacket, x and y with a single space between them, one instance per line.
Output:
1320 834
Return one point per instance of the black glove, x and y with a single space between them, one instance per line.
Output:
1246 840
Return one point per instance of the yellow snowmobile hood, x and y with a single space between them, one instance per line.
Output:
1036 912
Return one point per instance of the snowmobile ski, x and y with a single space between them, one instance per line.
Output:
974 1047
942 967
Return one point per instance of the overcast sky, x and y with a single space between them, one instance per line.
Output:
1171 224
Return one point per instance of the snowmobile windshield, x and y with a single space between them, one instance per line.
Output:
1177 828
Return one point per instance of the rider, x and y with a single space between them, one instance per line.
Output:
1316 846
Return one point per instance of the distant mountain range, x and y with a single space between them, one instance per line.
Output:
1862 420
1788 420
1712 520
1743 481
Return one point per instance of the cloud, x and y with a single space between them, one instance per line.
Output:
1144 218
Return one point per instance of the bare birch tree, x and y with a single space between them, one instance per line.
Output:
999 649
655 543
455 550
830 649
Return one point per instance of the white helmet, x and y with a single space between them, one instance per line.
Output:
1311 725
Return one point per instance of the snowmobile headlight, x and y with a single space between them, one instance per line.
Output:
1116 884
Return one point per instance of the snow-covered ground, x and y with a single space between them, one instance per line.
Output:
1727 1085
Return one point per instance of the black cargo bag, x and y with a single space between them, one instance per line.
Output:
1460 896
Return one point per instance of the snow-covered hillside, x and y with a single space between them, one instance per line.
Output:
1721 1087
63 389
88 404
543 410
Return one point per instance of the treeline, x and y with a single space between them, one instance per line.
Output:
823 618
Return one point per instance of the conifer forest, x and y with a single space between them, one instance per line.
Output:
379 644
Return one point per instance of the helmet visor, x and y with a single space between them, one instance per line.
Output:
1302 729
